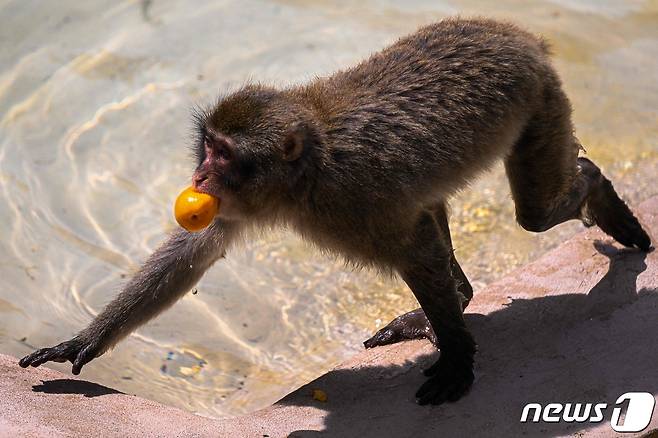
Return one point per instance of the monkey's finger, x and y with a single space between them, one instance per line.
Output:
448 392
382 337
439 390
38 357
432 370
460 389
431 336
432 392
27 360
84 357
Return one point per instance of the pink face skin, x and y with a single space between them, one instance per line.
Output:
209 176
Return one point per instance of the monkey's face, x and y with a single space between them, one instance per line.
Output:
224 171
249 174
250 149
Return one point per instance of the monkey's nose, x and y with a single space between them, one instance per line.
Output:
197 180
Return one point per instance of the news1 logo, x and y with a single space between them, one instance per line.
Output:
637 418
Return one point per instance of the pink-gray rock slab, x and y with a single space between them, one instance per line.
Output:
578 325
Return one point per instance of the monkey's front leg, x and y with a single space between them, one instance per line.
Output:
427 272
414 324
166 276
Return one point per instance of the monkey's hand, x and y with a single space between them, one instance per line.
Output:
77 351
165 277
411 325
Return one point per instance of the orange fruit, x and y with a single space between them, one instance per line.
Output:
319 395
193 210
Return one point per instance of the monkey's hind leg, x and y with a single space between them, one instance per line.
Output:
414 324
551 184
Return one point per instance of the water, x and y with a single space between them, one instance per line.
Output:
94 128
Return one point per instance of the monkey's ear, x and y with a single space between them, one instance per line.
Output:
295 141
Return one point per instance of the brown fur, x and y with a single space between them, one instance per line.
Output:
362 163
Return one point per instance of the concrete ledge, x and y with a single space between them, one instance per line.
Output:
578 325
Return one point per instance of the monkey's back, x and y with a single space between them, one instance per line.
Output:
438 105
412 124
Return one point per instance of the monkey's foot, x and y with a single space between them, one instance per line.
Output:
75 351
604 208
411 325
448 381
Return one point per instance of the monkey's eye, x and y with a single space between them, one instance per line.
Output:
223 152
218 149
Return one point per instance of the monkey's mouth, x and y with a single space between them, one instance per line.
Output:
227 208
207 184
203 188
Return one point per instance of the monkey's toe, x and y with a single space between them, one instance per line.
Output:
606 209
614 218
448 383
431 371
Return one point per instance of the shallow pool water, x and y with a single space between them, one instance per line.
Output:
95 102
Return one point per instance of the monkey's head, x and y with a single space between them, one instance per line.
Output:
254 148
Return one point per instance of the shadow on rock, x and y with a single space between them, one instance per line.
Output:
573 347
71 386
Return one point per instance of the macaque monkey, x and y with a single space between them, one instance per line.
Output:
363 163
